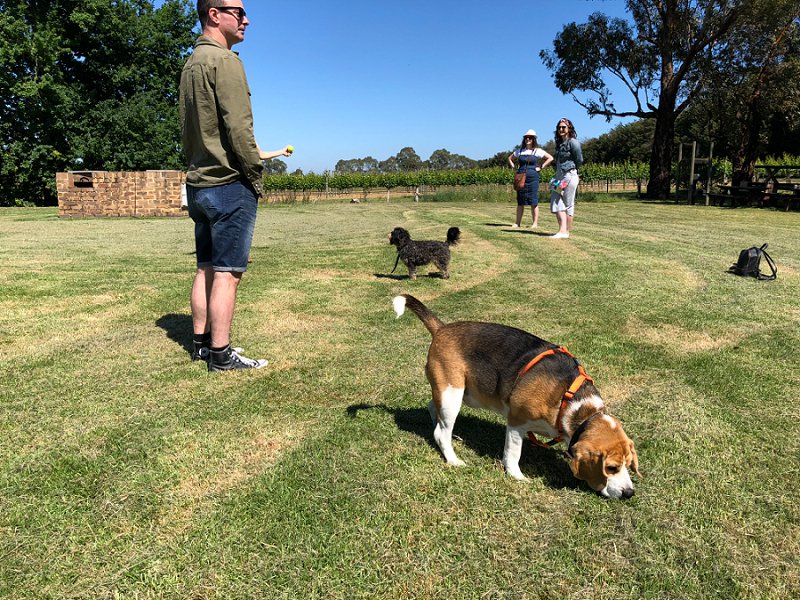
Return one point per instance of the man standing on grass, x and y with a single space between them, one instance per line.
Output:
223 177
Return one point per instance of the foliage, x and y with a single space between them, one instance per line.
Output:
660 57
750 105
589 172
88 84
405 160
630 142
456 177
358 165
408 160
442 160
274 166
498 160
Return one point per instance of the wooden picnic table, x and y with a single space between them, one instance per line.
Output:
738 195
777 172
780 188
782 184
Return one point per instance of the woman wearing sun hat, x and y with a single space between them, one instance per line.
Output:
530 160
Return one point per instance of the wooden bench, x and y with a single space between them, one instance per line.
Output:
735 196
782 194
779 200
719 199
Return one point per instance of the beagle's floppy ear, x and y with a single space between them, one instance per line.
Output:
586 465
635 460
574 461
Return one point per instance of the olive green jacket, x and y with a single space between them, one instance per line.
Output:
217 119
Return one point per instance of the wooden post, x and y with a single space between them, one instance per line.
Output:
710 168
690 194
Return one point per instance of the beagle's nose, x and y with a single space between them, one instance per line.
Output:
628 492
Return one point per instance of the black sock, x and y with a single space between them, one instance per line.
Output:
225 347
201 340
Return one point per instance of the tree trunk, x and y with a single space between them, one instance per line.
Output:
658 188
744 159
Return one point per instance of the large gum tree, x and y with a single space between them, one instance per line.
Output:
661 55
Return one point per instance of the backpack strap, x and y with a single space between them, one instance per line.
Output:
771 264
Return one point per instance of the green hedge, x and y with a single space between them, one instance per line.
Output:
497 176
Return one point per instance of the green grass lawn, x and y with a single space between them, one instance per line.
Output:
126 471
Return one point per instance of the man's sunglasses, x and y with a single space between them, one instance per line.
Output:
237 12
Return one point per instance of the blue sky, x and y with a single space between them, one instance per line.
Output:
351 79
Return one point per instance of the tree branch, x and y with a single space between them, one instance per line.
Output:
706 39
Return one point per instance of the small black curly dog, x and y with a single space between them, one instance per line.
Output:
417 253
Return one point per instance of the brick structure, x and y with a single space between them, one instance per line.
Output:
120 193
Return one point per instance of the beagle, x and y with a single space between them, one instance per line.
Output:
538 387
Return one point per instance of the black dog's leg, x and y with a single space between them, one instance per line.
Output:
412 271
442 266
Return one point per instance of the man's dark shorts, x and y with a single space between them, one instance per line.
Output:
224 219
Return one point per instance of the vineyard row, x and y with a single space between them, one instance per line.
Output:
388 181
590 173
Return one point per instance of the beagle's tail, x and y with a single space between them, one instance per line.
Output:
430 320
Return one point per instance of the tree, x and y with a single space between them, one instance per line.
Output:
357 165
344 166
663 64
390 165
624 143
753 89
274 167
408 160
443 160
439 160
498 160
88 84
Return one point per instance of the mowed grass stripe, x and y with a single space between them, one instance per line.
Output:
126 471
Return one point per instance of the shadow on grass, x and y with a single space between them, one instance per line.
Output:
483 437
521 231
178 329
433 274
390 276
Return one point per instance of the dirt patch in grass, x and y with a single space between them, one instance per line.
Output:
222 460
678 340
618 391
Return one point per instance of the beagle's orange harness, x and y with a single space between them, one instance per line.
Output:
568 395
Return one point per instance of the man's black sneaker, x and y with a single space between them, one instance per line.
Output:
229 359
201 354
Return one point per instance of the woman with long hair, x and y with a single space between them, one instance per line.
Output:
531 160
565 186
